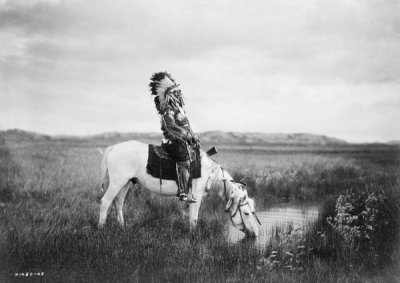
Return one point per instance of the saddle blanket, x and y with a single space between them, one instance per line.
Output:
160 165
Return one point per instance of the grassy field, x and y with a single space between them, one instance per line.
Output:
49 209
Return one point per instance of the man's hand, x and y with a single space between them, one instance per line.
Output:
188 137
195 141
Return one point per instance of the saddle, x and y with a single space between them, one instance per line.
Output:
161 166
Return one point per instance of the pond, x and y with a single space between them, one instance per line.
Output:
278 216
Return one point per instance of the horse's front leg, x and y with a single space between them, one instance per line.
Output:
194 213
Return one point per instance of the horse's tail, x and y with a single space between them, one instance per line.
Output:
104 171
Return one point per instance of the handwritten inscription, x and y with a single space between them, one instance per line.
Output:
28 274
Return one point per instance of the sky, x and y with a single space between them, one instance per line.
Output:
305 66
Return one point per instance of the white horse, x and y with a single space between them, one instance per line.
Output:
125 163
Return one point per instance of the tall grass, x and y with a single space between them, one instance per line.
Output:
49 212
313 176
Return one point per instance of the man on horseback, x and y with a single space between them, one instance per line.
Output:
179 138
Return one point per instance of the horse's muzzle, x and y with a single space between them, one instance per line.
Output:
251 234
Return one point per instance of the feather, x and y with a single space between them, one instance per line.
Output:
165 91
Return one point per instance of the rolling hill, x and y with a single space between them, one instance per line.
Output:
211 137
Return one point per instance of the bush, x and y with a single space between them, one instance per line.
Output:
365 221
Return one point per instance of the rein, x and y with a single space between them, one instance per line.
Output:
239 205
241 216
240 211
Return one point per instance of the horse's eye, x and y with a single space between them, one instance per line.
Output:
246 213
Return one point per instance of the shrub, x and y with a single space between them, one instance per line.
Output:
364 220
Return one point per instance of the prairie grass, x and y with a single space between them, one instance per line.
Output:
49 209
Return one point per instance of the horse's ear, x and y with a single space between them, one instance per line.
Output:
229 203
235 203
208 185
210 180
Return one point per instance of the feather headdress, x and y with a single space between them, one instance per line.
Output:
165 91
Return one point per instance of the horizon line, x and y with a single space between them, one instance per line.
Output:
222 131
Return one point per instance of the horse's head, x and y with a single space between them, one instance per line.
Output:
241 210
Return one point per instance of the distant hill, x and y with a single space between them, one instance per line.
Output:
20 135
16 135
211 137
265 138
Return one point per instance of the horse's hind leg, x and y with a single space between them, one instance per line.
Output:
106 200
119 203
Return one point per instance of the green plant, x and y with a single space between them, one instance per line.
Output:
362 219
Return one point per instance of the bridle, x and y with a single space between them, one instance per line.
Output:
240 213
238 209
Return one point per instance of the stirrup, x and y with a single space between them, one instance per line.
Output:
183 197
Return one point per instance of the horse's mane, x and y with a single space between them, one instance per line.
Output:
216 183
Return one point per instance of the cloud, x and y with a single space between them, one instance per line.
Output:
309 39
278 64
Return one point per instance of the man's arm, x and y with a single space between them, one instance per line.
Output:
173 129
